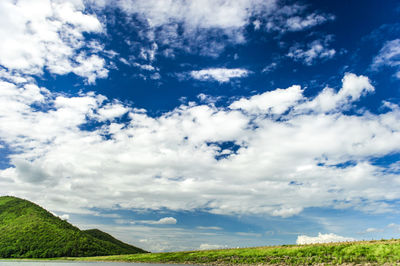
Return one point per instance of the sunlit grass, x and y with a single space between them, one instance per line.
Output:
375 252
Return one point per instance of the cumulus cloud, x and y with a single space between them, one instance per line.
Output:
316 50
47 35
111 111
166 220
219 74
321 238
274 102
388 56
328 100
92 67
286 153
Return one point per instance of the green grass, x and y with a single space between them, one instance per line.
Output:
363 252
29 231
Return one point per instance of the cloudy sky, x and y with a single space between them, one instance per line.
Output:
179 125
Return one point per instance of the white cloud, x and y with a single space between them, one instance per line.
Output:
16 78
47 34
389 56
208 99
287 211
285 143
373 230
196 20
145 67
150 53
221 14
64 216
394 227
219 74
328 100
269 67
257 24
322 238
206 246
298 23
314 51
92 67
148 68
188 25
124 61
272 102
292 18
111 111
155 76
165 220
203 14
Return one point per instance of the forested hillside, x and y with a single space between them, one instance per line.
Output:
29 231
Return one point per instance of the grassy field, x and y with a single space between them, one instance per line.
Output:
363 252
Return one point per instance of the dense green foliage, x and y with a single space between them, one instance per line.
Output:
29 231
106 237
363 252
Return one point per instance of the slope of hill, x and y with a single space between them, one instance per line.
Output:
378 252
96 233
29 231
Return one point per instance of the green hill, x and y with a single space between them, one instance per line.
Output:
96 233
380 252
29 231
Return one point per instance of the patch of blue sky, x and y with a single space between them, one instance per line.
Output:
5 152
258 230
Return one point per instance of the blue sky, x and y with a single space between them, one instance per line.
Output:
178 125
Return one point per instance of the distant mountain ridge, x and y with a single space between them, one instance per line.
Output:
29 231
